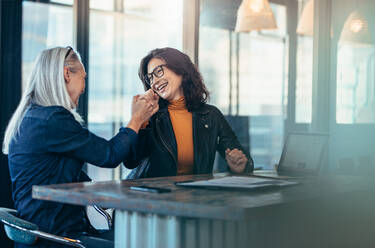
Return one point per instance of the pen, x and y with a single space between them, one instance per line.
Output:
149 189
188 181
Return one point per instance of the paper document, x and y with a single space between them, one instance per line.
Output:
238 182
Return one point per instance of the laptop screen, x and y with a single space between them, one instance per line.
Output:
303 152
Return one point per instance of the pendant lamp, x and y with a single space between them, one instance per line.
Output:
306 22
255 15
356 30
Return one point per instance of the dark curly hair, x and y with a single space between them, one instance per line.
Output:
195 92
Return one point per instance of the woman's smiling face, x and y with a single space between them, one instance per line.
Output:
165 82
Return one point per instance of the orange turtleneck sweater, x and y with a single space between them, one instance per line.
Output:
182 123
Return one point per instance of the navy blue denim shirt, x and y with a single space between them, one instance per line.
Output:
50 148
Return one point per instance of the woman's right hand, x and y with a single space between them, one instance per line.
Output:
143 107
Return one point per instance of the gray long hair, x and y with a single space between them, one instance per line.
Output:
46 87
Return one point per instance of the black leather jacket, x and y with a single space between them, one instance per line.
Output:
157 143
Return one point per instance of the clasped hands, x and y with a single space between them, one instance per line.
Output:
143 107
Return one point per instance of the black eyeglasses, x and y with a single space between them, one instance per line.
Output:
157 72
68 52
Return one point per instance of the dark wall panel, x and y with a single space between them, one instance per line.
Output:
10 87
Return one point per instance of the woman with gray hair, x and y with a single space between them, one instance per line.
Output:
46 143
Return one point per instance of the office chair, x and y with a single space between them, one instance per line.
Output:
25 232
105 214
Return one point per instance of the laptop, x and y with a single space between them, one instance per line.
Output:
302 156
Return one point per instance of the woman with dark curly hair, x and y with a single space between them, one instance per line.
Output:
184 135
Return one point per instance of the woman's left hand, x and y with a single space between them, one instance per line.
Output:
236 160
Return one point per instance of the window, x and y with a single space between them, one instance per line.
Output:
353 83
246 75
67 2
355 96
43 26
119 38
304 61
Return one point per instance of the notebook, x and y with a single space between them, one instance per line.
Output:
302 156
237 182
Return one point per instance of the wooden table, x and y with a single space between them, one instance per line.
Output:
329 211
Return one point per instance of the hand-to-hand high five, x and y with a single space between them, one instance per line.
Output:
143 107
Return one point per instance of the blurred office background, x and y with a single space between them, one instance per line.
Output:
314 73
